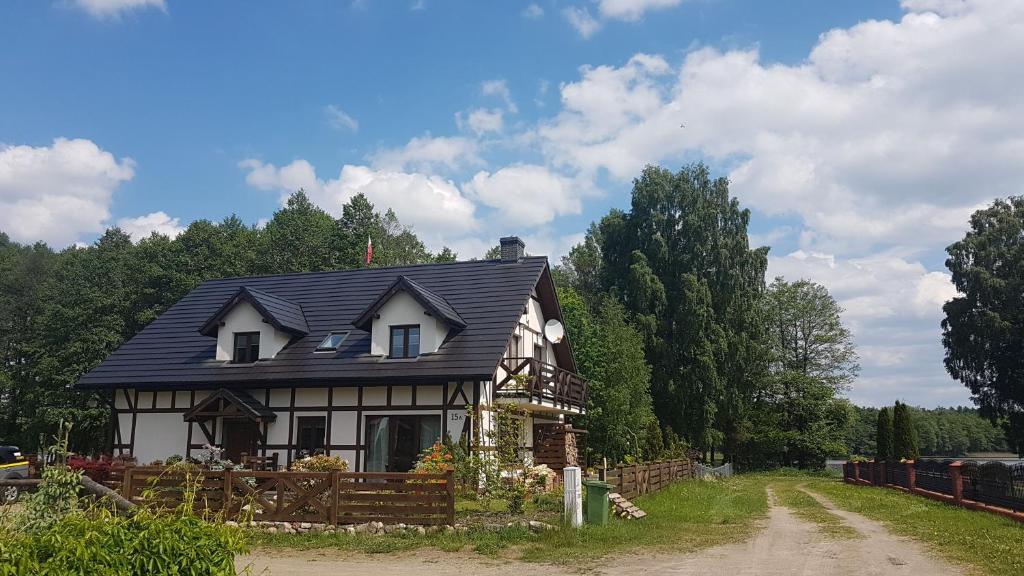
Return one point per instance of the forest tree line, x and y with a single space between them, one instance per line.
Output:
940 432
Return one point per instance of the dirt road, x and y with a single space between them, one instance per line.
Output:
786 546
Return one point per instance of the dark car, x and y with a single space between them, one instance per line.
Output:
13 466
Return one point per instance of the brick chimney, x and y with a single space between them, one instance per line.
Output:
512 249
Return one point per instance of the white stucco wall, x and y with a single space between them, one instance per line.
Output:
244 318
159 435
343 428
403 309
311 396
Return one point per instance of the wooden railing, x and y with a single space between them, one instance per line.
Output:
322 497
542 382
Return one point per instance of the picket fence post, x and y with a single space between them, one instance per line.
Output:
227 495
335 489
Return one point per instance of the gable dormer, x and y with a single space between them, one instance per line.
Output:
254 325
408 320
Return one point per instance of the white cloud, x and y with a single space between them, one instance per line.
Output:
143 226
434 206
632 10
427 153
881 135
340 120
527 195
481 120
893 306
581 19
532 12
586 24
115 8
500 89
57 193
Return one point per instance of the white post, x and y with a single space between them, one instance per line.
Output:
573 496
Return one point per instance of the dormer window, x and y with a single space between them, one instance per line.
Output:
405 341
332 342
247 347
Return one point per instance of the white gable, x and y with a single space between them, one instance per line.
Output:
244 318
402 310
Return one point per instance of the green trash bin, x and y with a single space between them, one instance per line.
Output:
596 505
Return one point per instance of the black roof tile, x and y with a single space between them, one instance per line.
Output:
487 296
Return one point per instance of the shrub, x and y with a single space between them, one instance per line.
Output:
515 494
98 470
435 460
320 463
144 543
174 459
56 498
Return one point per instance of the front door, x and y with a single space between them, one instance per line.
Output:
239 437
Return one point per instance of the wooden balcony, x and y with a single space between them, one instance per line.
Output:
542 384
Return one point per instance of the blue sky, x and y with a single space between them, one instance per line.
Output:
861 134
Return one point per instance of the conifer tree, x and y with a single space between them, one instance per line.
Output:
883 436
905 444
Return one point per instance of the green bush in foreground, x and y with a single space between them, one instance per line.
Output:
103 543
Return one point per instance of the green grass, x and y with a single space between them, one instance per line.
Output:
988 542
683 517
789 495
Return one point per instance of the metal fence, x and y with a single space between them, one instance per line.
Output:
933 475
702 471
970 484
994 483
896 473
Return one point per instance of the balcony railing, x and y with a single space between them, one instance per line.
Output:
542 382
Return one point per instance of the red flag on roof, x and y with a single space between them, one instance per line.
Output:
369 250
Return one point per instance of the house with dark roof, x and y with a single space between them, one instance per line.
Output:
373 365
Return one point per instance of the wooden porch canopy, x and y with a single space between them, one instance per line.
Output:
230 404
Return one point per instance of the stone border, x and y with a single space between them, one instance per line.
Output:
381 529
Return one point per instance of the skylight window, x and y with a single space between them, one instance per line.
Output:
332 342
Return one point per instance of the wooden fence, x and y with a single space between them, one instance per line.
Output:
322 497
636 479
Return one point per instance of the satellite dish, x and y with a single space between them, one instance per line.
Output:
554 331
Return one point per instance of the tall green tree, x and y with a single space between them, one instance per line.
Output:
681 264
23 271
796 418
91 306
609 354
299 238
904 434
808 335
884 449
983 331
